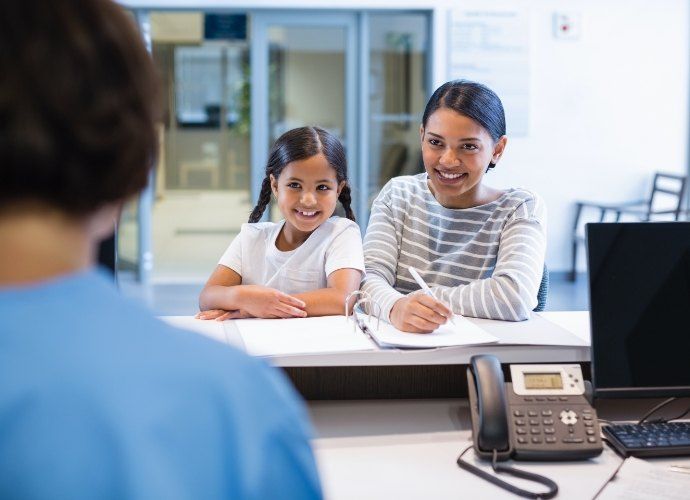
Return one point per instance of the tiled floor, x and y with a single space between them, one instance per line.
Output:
182 299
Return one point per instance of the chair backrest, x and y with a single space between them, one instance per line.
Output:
671 188
543 290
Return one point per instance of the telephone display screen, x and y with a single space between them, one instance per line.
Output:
543 381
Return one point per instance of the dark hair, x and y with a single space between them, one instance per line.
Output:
473 100
78 105
300 144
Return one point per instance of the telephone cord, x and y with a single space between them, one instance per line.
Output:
499 468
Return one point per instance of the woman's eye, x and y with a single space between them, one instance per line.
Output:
293 185
434 142
322 187
469 147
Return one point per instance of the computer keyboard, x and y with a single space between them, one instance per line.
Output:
650 439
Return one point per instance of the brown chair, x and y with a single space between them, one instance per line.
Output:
670 187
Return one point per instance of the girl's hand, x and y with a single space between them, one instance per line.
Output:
211 314
264 302
222 314
419 313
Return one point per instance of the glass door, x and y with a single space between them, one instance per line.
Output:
303 73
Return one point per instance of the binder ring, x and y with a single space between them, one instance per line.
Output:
364 300
354 305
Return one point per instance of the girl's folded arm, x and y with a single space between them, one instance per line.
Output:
331 300
221 290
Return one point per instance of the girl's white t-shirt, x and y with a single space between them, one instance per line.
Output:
335 244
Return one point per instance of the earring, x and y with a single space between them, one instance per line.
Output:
491 165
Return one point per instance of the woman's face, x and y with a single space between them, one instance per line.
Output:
456 151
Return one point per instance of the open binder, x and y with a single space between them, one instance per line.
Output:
463 333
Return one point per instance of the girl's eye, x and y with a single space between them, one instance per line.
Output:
434 142
293 185
469 147
323 187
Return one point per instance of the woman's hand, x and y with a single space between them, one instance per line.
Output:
419 313
264 302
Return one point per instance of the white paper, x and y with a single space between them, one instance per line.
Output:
492 46
277 337
535 331
641 480
460 334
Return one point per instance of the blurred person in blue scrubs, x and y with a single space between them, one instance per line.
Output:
98 399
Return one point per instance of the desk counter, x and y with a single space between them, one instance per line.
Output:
408 450
550 337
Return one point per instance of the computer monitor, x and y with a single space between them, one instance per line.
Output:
639 296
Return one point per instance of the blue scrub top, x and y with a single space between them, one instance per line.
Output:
98 399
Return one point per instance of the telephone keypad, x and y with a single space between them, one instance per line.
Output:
573 440
548 427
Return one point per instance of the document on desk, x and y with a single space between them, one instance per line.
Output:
641 480
462 333
208 328
320 335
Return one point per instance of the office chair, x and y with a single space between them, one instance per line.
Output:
543 290
670 186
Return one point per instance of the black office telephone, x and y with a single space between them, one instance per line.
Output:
542 415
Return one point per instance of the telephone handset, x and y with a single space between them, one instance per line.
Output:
541 415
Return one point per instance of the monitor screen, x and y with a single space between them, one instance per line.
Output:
639 296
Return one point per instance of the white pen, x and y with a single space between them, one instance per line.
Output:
426 288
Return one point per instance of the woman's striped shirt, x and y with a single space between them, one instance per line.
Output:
485 262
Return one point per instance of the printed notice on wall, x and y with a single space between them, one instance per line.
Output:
492 47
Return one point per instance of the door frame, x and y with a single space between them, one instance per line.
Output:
260 23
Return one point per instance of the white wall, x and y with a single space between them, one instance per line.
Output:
606 110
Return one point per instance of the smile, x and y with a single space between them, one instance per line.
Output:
307 214
450 177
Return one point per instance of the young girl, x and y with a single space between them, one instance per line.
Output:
306 264
480 249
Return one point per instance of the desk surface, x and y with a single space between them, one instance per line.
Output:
563 337
408 450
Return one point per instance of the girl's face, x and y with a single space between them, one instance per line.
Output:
456 151
307 192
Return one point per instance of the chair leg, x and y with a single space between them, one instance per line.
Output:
573 270
578 212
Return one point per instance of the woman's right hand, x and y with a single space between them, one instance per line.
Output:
265 302
419 313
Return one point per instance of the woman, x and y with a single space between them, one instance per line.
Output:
480 249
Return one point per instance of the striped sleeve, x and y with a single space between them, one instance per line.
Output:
511 292
381 251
